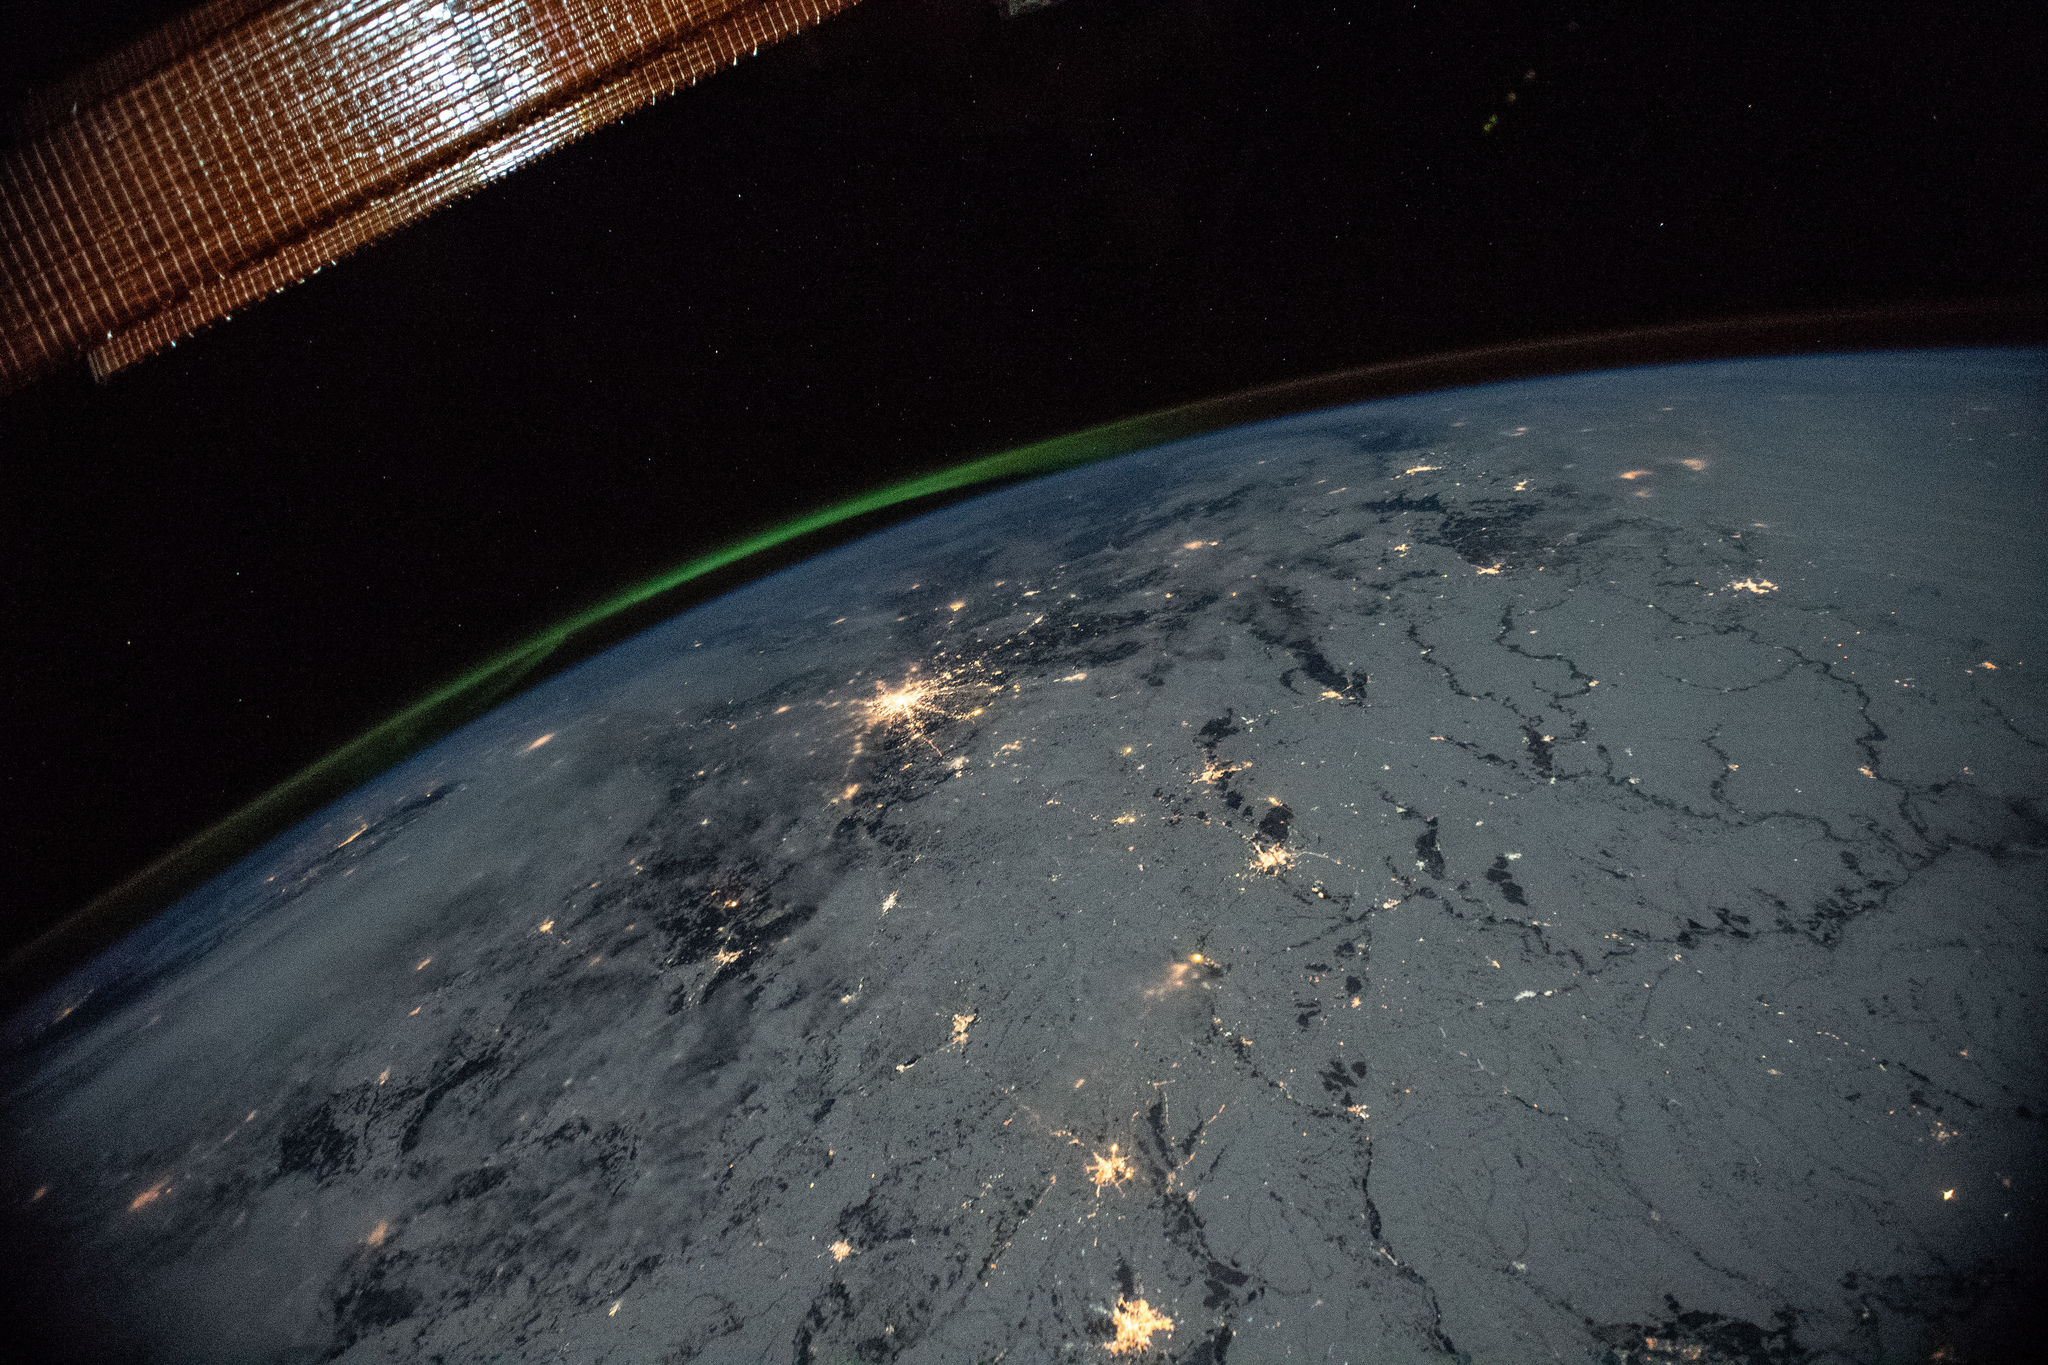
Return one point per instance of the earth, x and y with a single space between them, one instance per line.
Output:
1549 871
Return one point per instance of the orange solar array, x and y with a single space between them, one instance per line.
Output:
241 148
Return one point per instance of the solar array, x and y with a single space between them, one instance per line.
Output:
244 146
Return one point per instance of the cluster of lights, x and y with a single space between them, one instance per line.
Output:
915 703
1135 1324
1110 1168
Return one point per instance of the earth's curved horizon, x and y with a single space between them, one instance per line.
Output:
481 685
1541 871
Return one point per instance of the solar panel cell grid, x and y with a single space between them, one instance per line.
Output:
248 149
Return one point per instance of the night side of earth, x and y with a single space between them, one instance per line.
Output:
1543 872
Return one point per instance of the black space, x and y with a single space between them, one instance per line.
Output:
917 233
